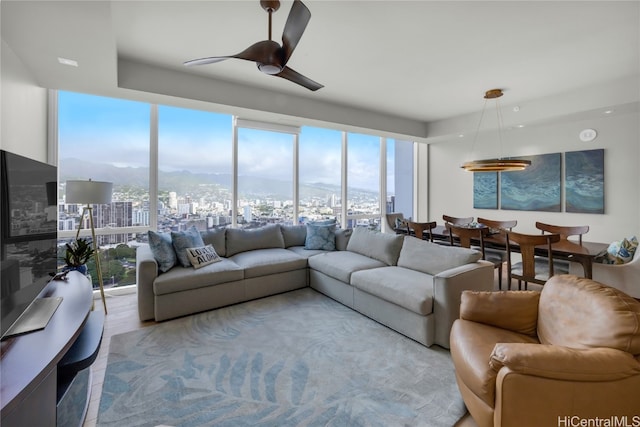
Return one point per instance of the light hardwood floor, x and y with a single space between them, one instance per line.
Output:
123 317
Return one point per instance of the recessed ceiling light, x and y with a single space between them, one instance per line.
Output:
607 111
519 126
66 61
461 135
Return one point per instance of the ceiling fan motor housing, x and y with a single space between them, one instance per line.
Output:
271 57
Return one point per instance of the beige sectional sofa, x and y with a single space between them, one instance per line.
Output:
407 284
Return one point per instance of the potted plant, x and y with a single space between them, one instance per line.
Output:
78 254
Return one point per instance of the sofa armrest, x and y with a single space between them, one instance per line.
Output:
564 363
146 273
516 311
448 286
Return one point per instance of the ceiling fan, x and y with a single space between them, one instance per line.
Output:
270 57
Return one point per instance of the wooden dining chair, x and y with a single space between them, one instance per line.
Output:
562 266
565 231
468 236
421 229
497 239
497 224
528 270
457 221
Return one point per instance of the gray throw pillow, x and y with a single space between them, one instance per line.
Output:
162 249
384 247
184 240
432 258
215 238
294 235
242 240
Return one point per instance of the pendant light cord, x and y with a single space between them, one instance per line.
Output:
475 138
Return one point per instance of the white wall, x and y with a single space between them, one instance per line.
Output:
23 111
451 188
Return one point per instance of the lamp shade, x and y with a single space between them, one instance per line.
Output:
89 192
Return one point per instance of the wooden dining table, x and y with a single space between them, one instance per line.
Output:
583 253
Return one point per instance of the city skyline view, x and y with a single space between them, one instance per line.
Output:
107 139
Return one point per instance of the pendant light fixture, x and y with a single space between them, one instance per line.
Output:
499 164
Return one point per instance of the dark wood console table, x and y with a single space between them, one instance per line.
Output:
29 363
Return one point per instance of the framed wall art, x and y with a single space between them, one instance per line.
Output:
536 188
485 190
584 181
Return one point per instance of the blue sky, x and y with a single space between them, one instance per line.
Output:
116 131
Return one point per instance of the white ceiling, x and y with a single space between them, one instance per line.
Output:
412 62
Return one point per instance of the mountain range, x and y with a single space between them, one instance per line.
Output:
186 182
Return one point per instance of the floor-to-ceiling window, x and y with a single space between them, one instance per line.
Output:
400 169
265 177
363 180
204 167
105 139
320 176
194 169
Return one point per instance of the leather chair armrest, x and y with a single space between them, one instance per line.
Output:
563 363
516 311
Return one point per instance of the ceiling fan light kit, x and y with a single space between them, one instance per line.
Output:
498 164
270 57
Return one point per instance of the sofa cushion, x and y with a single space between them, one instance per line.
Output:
294 235
407 288
432 258
381 246
320 236
216 238
340 264
183 279
183 240
471 348
262 262
305 253
162 250
342 238
242 239
204 255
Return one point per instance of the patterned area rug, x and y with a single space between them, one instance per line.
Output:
295 359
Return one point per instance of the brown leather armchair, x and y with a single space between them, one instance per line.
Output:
528 358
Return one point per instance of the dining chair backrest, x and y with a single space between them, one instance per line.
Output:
419 229
498 225
457 221
526 246
466 234
564 230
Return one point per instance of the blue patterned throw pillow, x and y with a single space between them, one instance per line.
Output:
321 236
184 240
621 252
162 249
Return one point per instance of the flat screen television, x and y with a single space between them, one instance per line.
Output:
28 233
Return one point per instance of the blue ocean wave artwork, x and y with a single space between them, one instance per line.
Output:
584 181
485 190
536 188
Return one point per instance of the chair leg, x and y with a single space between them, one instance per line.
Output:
500 278
519 284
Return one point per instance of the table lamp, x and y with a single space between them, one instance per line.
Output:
90 193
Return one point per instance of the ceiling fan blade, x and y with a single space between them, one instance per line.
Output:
294 76
297 21
265 51
203 61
